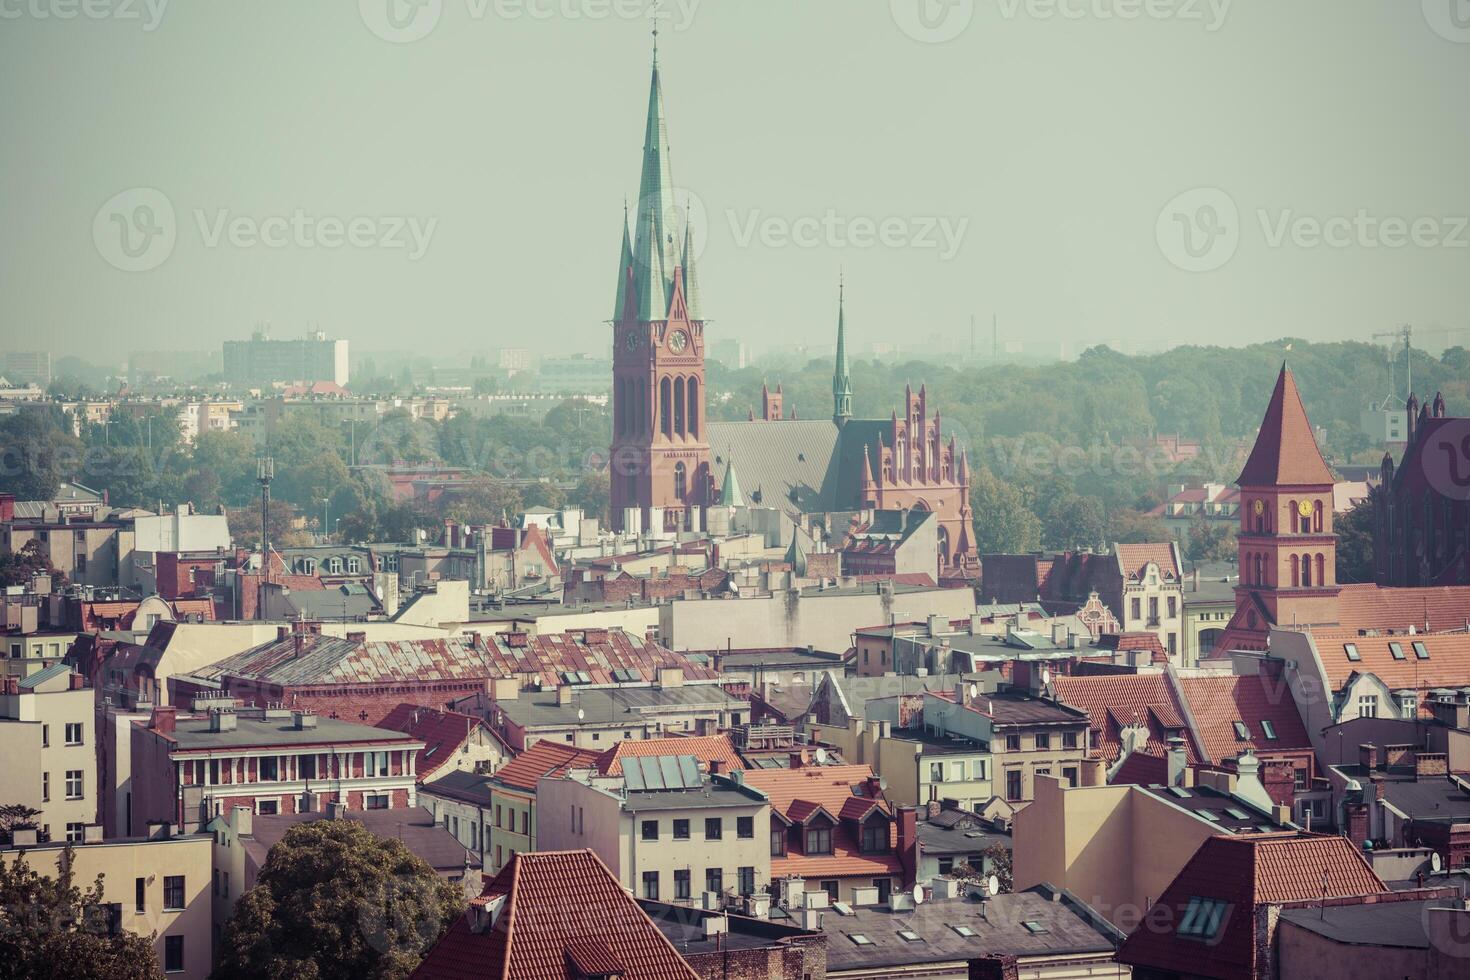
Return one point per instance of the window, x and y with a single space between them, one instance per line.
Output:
858 939
778 841
375 801
745 828
1135 607
1013 785
267 808
140 895
681 830
650 885
73 733
681 883
1034 927
885 889
497 818
334 565
45 736
714 828
819 840
1069 740
1268 728
875 836
173 893
1368 706
1242 734
75 832
173 954
1351 649
963 931
830 887
73 784
936 772
268 769
1153 610
354 565
1013 743
1397 650
1299 783
1173 606
650 830
957 772
45 787
1069 775
714 880
946 865
1420 650
1203 918
1043 741
306 767
909 936
377 764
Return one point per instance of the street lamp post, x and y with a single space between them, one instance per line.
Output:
326 522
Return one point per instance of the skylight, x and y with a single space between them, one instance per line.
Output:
1397 649
858 939
1420 650
1203 918
964 931
1241 732
909 936
842 908
1032 926
1351 649
1268 728
1236 814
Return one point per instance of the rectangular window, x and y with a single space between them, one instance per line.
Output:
681 883
650 830
378 763
1269 729
45 736
1173 606
957 772
1013 743
746 875
73 784
745 828
375 801
140 895
75 832
173 954
268 767
1420 650
173 893
1069 740
819 840
946 865
1135 607
1013 785
1043 741
1153 610
268 808
1300 782
45 787
830 887
1368 706
875 837
714 880
1351 649
885 889
714 828
73 733
497 818
936 772
306 767
1396 649
681 830
650 885
778 841
1069 775
1242 734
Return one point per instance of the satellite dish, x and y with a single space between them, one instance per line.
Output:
918 894
1045 675
974 691
821 757
1434 863
883 783
992 885
581 715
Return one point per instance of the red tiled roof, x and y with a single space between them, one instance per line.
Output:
1132 558
565 916
704 748
1243 871
1135 641
1112 701
1217 703
442 733
796 793
1285 453
1376 607
1141 769
543 759
1448 664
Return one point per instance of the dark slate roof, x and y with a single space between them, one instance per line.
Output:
611 705
1429 798
777 459
1399 924
471 787
935 839
193 734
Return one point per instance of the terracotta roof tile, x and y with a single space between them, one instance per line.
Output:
1448 663
1112 701
704 748
1285 453
597 653
1132 558
442 732
543 759
1217 703
1377 607
797 793
564 916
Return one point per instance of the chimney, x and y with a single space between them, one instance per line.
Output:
1368 756
77 682
908 844
7 507
242 821
222 720
163 720
564 696
937 625
993 966
1178 761
303 720
1279 778
282 632
1248 785
799 759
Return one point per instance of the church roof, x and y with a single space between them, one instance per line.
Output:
1286 452
785 464
654 247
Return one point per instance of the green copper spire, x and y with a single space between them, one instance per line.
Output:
693 305
624 264
796 554
654 245
841 380
730 495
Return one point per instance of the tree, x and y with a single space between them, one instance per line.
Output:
36 454
593 495
484 501
244 523
1355 544
1003 524
17 816
1210 540
336 902
20 567
51 928
998 860
1132 527
1071 520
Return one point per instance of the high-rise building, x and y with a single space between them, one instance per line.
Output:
262 360
28 367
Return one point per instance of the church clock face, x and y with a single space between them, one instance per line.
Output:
631 341
678 342
1304 508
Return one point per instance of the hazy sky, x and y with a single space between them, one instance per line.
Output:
464 190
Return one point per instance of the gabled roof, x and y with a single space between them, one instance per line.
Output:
1218 703
333 660
599 654
704 748
1285 453
557 914
1243 872
1134 558
1113 701
543 759
1377 607
1448 663
797 794
442 732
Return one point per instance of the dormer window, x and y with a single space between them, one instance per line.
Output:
875 837
818 840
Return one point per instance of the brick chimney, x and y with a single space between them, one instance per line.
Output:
7 507
1279 778
164 719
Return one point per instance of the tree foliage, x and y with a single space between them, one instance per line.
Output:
1355 543
336 902
20 567
50 927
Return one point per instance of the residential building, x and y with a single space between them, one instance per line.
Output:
554 916
892 542
24 367
453 742
510 795
156 886
951 839
264 361
833 830
1395 935
50 738
1209 604
719 945
1398 796
668 831
187 770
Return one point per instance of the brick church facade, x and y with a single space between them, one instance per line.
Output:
668 459
1421 509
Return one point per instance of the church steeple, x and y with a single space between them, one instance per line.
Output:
841 380
654 244
625 266
693 304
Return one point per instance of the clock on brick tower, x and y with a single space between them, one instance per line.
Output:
660 461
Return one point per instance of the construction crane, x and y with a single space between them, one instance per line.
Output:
1406 333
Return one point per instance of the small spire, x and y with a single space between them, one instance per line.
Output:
841 379
693 305
625 266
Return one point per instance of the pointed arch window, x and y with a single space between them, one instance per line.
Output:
694 408
1306 571
1321 569
679 406
1295 517
666 407
681 481
640 424
1296 571
1317 517
1260 569
901 457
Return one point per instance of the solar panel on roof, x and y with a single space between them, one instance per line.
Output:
632 776
669 766
653 774
689 771
1180 792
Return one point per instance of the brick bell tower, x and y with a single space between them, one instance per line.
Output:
660 454
1287 545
